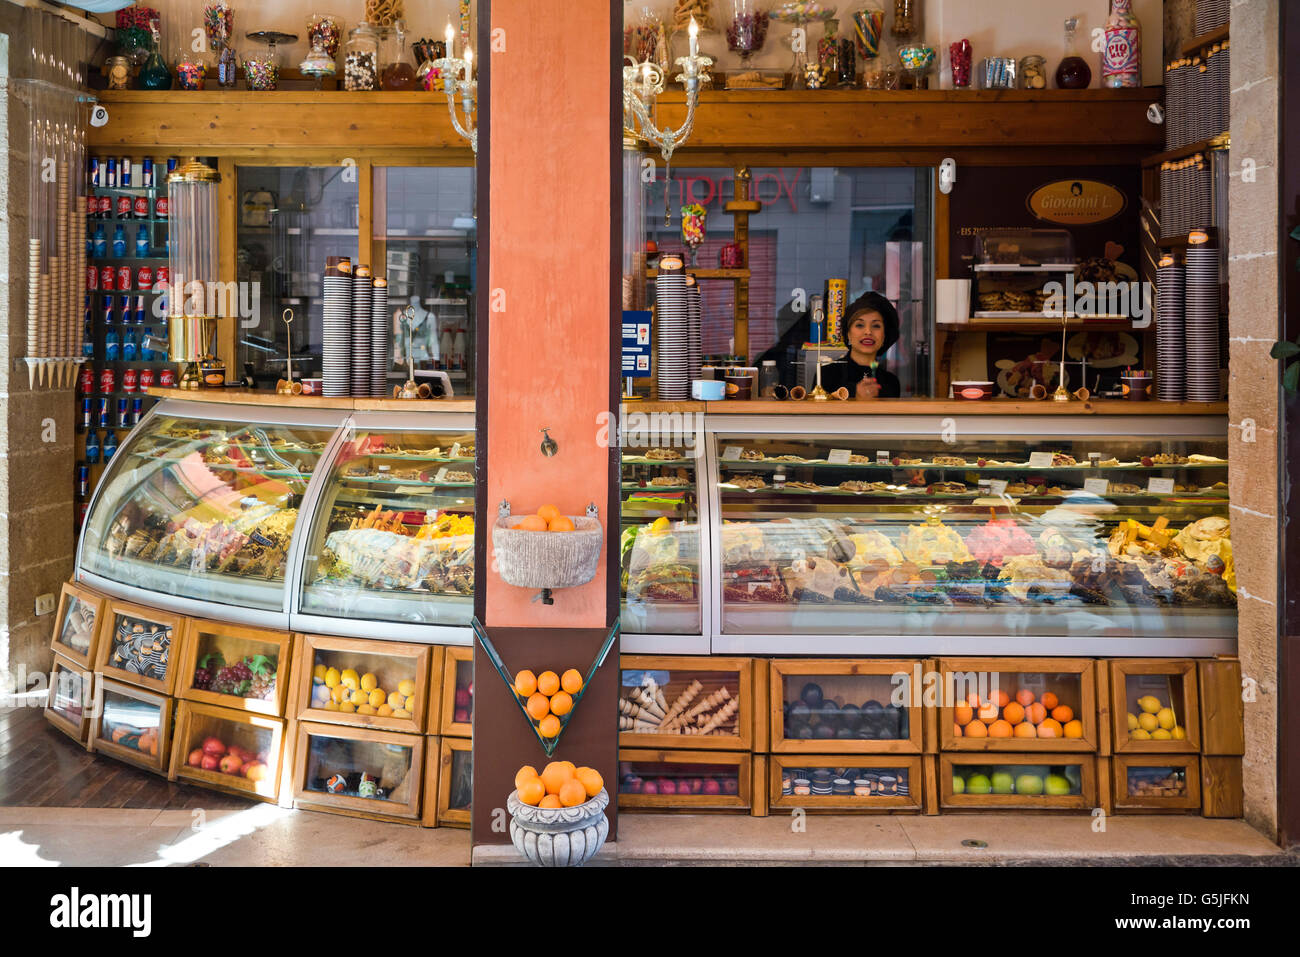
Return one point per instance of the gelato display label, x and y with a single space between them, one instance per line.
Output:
732 453
838 457
1160 486
1096 486
998 487
1040 460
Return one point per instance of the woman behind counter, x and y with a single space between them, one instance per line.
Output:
870 328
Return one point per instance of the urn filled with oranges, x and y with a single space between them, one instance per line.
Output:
557 816
547 550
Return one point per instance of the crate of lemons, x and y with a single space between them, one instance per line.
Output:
1155 721
548 697
347 692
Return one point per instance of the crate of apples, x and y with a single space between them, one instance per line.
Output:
1155 721
560 784
548 697
215 755
1023 716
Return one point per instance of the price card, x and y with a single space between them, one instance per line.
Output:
997 486
442 475
838 457
882 457
455 451
1097 486
1160 486
732 453
1040 460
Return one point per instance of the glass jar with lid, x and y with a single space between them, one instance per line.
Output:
328 29
318 64
361 58
907 20
118 69
191 69
398 73
1032 74
262 67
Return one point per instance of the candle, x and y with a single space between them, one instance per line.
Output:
450 34
695 38
469 63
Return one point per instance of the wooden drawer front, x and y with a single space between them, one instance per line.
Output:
1004 781
884 782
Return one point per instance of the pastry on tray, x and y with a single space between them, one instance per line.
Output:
663 455
747 481
954 461
947 488
751 455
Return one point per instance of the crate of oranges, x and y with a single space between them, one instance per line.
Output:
1042 705
548 699
547 549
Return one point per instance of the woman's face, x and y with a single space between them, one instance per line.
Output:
866 333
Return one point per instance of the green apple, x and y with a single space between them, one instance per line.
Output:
1029 784
978 784
958 784
1057 785
1003 782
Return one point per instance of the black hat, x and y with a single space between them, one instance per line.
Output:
874 302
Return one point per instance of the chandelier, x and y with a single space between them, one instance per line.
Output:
458 77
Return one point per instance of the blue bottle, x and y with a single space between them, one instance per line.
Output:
92 446
142 241
146 354
110 346
88 342
119 241
110 445
90 247
100 242
128 345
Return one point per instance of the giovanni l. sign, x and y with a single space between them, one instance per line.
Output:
1076 202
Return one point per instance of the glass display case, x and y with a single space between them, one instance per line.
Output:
70 703
843 706
1149 782
377 773
132 725
846 782
914 534
229 750
1017 781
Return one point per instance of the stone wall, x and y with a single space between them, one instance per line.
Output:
1253 395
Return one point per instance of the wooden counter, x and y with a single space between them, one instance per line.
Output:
344 403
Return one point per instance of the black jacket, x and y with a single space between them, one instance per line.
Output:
847 373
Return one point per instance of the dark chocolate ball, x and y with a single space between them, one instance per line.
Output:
811 695
805 733
850 716
824 732
845 733
872 707
799 712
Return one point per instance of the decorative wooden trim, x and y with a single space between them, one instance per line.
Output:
778 668
90 596
1124 802
759 805
369 808
930 792
690 802
1188 713
449 816
305 651
104 643
79 731
187 662
1223 713
762 705
1221 786
448 726
433 713
190 712
840 804
1105 717
1085 800
432 768
157 764
743 688
1105 785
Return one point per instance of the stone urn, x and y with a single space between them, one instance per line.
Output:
559 837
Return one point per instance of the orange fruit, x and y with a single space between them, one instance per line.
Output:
539 706
1063 713
1049 700
561 703
526 773
1073 729
572 793
1000 698
531 523
571 681
561 524
956 730
976 729
549 726
532 791
1036 713
1050 728
1024 730
1000 729
551 802
548 513
1014 712
548 682
591 780
554 775
973 700
571 766
988 712
963 714
525 683
1025 697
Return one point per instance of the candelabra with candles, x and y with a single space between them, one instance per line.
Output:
643 82
458 77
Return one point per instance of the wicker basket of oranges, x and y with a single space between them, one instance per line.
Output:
547 549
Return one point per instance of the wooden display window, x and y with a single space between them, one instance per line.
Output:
1054 698
232 666
686 702
856 782
139 645
1156 782
362 771
841 706
71 703
455 780
400 670
457 692
76 625
1160 695
132 725
1018 781
432 767
228 750
684 780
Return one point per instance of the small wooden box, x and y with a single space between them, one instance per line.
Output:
1221 786
1223 712
455 781
1172 682
76 625
734 676
73 699
139 645
391 662
457 674
432 769
731 770
855 682
329 752
258 735
1139 782
904 794
1083 796
235 642
1072 681
124 710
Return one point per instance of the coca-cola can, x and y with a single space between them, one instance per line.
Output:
92 278
167 378
124 207
105 206
130 379
123 278
164 277
141 207
146 380
107 280
160 207
86 382
144 278
107 381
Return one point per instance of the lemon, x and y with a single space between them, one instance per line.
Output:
1147 721
406 688
395 700
347 707
360 697
1149 703
401 713
1132 721
331 706
319 672
1178 733
377 698
384 711
332 678
409 705
349 678
338 693
369 682
1161 734
365 709
660 524
1137 734
1165 717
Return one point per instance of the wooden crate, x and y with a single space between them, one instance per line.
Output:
1071 680
1125 767
455 777
358 746
1084 799
735 675
1173 682
389 661
457 663
855 682
114 645
258 734
433 713
788 765
1223 712
76 625
73 699
432 767
675 766
118 702
1221 786
234 642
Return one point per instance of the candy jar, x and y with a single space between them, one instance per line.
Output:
227 71
1032 74
319 64
429 76
960 56
361 58
748 28
907 21
118 69
848 63
693 219
799 13
190 70
328 29
916 61
154 75
828 52
218 24
1074 72
398 73
262 69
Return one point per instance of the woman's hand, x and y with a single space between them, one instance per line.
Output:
867 389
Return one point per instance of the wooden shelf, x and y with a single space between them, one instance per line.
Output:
1181 242
924 406
269 397
1197 44
1182 152
707 273
1034 325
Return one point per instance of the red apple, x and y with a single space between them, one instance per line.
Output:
649 787
256 771
668 786
210 762
214 746
230 764
195 760
711 786
462 697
